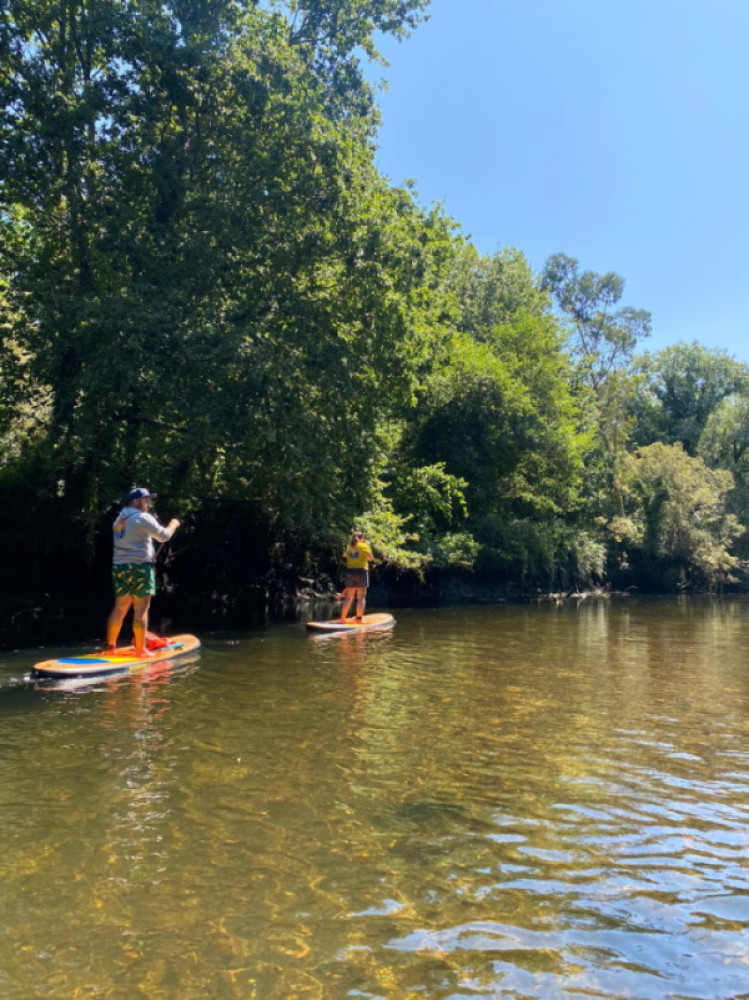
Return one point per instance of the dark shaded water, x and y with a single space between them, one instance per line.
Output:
516 802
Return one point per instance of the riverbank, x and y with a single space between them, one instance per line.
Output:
75 611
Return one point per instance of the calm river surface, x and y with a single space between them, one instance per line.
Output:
507 802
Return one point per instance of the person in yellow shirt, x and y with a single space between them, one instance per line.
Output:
357 556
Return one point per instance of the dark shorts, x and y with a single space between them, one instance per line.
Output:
134 579
356 578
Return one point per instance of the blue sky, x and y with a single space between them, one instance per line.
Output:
614 131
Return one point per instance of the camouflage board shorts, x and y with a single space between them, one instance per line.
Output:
134 579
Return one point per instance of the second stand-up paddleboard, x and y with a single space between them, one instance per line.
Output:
368 623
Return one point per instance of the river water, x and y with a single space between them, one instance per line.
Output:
498 802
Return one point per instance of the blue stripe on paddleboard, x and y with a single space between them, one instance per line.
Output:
84 660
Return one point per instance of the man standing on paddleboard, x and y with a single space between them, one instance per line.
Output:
358 556
133 571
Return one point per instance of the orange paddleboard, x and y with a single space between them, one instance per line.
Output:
369 622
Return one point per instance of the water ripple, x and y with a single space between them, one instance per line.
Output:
531 802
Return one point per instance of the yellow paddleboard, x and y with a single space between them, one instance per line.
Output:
99 664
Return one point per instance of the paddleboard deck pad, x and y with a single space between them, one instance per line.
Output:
100 664
368 622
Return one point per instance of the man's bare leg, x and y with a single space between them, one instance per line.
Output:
115 620
140 625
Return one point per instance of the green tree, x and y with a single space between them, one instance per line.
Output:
601 340
676 527
496 410
221 285
501 406
679 388
725 439
724 444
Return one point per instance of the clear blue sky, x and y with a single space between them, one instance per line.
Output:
614 131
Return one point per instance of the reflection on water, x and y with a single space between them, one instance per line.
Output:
516 802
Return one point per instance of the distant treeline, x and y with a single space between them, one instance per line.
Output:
207 288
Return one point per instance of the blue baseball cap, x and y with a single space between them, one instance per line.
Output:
139 493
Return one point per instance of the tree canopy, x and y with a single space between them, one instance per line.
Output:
679 388
206 284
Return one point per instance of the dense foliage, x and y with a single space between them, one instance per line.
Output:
206 286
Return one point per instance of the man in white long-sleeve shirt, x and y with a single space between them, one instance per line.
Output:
133 571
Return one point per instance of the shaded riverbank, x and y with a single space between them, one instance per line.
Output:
74 608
